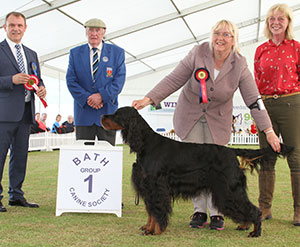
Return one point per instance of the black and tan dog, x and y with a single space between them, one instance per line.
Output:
166 169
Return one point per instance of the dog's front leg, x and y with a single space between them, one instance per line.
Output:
149 227
153 228
157 229
144 227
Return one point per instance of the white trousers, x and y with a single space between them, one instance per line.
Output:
200 133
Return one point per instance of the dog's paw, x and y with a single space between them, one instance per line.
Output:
254 234
144 227
147 232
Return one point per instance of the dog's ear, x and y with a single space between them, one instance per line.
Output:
134 132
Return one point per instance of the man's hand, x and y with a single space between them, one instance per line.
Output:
95 101
20 78
41 92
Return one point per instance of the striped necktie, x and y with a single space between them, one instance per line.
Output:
95 61
21 64
20 60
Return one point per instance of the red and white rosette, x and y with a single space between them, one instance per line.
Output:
32 84
202 75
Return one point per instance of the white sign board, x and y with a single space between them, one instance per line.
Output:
90 179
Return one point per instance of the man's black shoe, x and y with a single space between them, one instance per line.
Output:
2 208
22 203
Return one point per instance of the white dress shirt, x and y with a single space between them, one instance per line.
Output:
14 52
99 49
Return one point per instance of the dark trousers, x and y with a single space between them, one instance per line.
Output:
15 136
285 116
90 133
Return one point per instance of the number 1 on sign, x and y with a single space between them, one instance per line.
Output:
90 179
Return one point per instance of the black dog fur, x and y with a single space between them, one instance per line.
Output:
166 169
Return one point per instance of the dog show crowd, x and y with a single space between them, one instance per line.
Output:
207 76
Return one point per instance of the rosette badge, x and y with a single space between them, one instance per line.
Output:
33 67
33 82
202 75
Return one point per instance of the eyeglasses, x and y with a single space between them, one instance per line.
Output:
224 35
279 19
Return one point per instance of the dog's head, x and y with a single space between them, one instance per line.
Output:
133 127
120 120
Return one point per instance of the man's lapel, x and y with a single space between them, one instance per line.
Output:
85 58
6 49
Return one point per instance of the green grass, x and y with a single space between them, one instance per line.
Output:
40 227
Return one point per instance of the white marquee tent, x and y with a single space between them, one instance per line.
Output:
155 34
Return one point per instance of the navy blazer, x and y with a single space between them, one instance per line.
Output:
12 97
109 81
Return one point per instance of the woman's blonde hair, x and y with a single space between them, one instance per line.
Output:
287 11
232 28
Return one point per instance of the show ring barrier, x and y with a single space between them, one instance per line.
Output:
48 141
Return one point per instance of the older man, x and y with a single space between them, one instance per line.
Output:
16 106
95 78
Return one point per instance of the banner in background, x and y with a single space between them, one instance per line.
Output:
242 121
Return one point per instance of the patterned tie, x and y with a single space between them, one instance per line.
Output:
95 61
20 59
20 62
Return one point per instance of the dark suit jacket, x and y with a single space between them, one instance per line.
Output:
12 97
233 75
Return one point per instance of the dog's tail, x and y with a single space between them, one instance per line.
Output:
251 158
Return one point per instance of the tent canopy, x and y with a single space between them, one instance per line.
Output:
154 33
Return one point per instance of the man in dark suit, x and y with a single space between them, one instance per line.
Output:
16 106
95 78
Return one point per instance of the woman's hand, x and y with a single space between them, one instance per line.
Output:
273 140
140 104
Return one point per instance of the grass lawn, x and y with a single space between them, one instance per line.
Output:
40 227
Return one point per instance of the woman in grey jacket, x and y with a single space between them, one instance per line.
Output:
209 75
